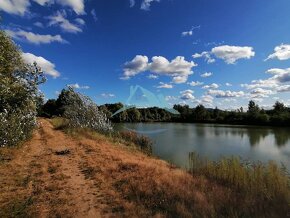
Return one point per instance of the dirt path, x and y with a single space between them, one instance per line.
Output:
55 175
55 182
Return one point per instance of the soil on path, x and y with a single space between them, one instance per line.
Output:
56 175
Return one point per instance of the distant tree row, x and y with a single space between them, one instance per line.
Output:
279 115
254 115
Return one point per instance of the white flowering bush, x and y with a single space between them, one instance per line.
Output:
18 93
16 126
82 112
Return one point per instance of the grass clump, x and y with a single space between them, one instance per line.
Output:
259 189
144 143
59 123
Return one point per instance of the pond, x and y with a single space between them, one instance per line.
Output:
174 141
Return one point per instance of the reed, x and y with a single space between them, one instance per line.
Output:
263 189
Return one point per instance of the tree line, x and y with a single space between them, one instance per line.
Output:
279 115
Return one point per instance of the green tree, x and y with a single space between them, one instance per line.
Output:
200 113
253 108
49 109
134 115
279 107
19 94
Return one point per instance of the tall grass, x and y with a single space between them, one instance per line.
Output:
128 138
143 142
263 189
59 123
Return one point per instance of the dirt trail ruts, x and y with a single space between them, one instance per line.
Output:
55 183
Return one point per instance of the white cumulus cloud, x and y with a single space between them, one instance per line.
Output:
34 38
59 19
190 32
206 55
20 7
225 94
47 66
281 52
77 5
278 79
211 86
77 86
152 76
163 85
230 54
187 95
260 91
43 2
207 99
146 4
195 83
285 88
137 65
187 33
108 95
206 74
178 68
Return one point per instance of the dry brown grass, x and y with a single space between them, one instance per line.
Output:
162 189
138 185
101 177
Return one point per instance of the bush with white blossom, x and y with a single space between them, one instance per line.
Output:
82 112
18 93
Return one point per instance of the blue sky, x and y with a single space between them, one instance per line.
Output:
217 53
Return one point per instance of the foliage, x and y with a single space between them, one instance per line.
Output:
49 109
265 189
82 112
18 93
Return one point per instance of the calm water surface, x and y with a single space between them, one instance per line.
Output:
174 141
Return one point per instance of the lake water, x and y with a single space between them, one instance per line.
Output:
174 141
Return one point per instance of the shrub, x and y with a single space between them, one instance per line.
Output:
82 112
18 94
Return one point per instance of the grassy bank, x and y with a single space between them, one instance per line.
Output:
130 139
250 189
107 176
